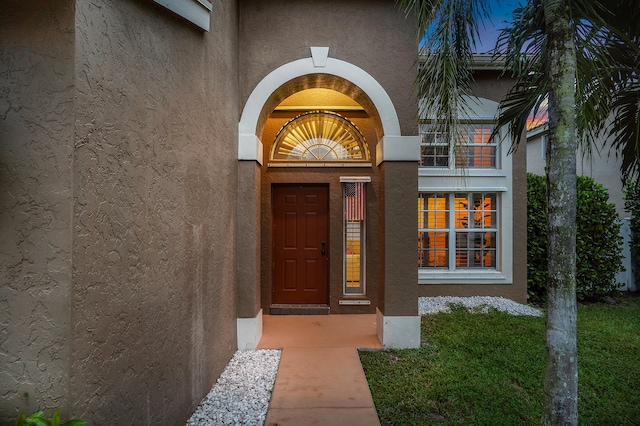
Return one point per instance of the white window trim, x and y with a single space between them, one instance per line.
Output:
477 180
195 11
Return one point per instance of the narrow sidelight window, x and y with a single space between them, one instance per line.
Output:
354 237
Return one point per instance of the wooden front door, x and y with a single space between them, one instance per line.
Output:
300 244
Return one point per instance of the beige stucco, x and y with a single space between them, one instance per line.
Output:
604 167
119 175
36 203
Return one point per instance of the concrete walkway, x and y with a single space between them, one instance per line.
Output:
320 380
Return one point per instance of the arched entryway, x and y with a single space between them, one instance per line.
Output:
348 98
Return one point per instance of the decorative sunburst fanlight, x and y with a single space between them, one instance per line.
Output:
320 136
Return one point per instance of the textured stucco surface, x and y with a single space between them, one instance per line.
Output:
154 222
36 148
398 215
118 210
248 239
363 33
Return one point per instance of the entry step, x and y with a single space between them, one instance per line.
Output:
302 309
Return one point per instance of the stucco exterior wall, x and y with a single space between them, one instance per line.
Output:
363 33
36 149
248 239
118 175
397 267
603 167
155 178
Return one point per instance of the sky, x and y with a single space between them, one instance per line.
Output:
501 12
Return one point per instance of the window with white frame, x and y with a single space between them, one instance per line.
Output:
457 230
465 201
473 147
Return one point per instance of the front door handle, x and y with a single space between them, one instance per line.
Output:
324 243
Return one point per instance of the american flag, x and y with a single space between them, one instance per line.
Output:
354 200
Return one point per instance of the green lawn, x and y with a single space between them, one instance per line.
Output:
488 369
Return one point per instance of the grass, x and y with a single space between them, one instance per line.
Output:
488 369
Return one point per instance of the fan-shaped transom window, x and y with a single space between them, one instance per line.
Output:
320 136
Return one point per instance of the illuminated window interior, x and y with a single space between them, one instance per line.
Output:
320 136
354 226
473 148
469 228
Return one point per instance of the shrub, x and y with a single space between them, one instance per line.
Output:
598 240
632 205
536 238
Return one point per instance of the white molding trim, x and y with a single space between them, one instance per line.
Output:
302 164
351 179
250 148
249 331
473 108
194 11
281 75
398 332
398 148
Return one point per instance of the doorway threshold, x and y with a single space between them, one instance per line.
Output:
299 309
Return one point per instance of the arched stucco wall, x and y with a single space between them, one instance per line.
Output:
403 328
250 147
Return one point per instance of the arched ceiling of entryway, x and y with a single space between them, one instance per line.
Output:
303 87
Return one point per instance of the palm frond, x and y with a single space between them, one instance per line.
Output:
448 30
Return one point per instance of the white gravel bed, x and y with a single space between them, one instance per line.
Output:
242 393
432 305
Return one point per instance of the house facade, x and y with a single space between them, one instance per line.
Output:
173 170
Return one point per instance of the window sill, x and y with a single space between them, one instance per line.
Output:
462 277
320 164
435 171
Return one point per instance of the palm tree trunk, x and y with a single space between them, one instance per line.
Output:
561 375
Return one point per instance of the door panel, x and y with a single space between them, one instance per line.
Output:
300 227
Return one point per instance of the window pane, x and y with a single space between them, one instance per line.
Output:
433 214
470 249
354 213
354 229
484 211
475 212
474 148
320 136
481 250
461 211
433 249
434 148
433 211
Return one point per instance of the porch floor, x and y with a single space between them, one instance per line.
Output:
320 380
